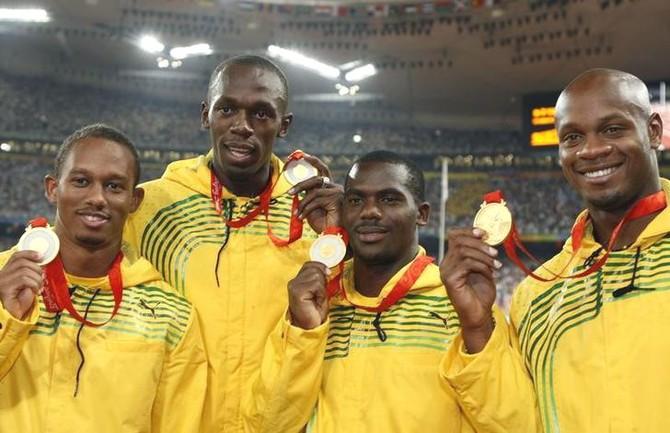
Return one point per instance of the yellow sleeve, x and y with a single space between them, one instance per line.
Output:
132 237
181 392
282 396
13 334
493 387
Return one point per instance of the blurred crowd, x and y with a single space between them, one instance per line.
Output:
37 109
39 114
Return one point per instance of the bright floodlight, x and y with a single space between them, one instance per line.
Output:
180 53
357 138
360 73
24 15
303 61
5 147
151 45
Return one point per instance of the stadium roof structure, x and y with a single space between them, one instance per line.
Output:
452 63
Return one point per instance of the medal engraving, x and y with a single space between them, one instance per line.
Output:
496 220
299 170
42 240
328 249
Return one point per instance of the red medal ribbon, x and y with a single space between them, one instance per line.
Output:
398 291
334 284
56 295
645 206
295 225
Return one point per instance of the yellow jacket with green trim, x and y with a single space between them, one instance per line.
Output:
143 372
381 376
235 277
596 348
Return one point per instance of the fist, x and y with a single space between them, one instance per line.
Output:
467 272
20 282
307 299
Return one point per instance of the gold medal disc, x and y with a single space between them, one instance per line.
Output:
43 240
299 170
496 220
328 249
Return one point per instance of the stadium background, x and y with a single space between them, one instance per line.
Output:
455 79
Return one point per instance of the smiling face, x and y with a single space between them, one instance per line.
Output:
380 213
245 114
94 193
608 138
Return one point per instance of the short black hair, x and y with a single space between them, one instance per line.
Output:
250 60
96 130
415 182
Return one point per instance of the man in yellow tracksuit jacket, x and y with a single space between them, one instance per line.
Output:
145 370
594 346
390 322
230 272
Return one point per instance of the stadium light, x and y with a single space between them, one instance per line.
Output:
357 138
361 73
303 61
180 53
5 147
24 15
162 62
151 45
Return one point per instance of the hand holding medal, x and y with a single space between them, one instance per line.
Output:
41 238
495 219
320 204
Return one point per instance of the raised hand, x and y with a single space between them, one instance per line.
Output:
467 273
323 199
307 299
20 282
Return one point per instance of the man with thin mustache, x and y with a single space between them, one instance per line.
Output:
121 351
391 321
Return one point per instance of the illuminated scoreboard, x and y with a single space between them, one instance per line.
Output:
538 119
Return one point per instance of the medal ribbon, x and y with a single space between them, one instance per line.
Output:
643 207
295 225
56 294
398 291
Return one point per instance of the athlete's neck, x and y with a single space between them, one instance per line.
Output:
247 185
605 221
87 262
371 277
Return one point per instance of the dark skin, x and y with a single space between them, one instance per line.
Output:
245 113
381 216
93 194
608 138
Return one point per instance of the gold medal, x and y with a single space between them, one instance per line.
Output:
328 249
41 239
299 170
496 220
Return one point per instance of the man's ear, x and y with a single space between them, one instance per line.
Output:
655 130
423 213
138 196
50 188
285 123
204 115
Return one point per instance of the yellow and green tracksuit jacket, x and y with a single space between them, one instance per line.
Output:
143 372
236 279
382 375
596 351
